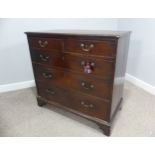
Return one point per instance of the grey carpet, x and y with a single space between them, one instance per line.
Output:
20 116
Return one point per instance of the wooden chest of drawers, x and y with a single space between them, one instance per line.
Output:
81 71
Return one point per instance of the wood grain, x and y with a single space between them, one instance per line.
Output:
59 60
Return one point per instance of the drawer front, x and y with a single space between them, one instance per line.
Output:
48 58
77 63
92 47
92 86
88 65
46 43
81 103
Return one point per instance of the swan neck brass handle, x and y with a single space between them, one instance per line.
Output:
87 86
86 47
43 57
87 105
50 91
43 44
47 75
83 63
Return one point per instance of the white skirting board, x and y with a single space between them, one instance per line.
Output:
26 84
141 84
16 86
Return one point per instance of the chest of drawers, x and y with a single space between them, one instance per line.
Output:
81 71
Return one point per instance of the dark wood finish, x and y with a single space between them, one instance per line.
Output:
81 71
86 104
103 48
101 67
74 62
48 58
105 128
51 44
66 79
120 67
40 102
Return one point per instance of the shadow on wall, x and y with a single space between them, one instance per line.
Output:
134 56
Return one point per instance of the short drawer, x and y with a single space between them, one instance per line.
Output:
92 86
79 102
93 47
47 58
46 43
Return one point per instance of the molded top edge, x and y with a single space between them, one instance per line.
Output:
105 33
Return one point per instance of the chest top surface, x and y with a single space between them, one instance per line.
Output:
104 33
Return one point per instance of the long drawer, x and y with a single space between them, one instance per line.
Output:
82 103
86 84
77 63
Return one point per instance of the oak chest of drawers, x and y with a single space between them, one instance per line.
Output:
81 71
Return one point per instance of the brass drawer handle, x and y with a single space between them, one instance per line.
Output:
87 66
43 44
87 105
47 75
83 63
86 48
49 91
43 57
87 86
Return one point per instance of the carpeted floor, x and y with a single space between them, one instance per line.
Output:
20 116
